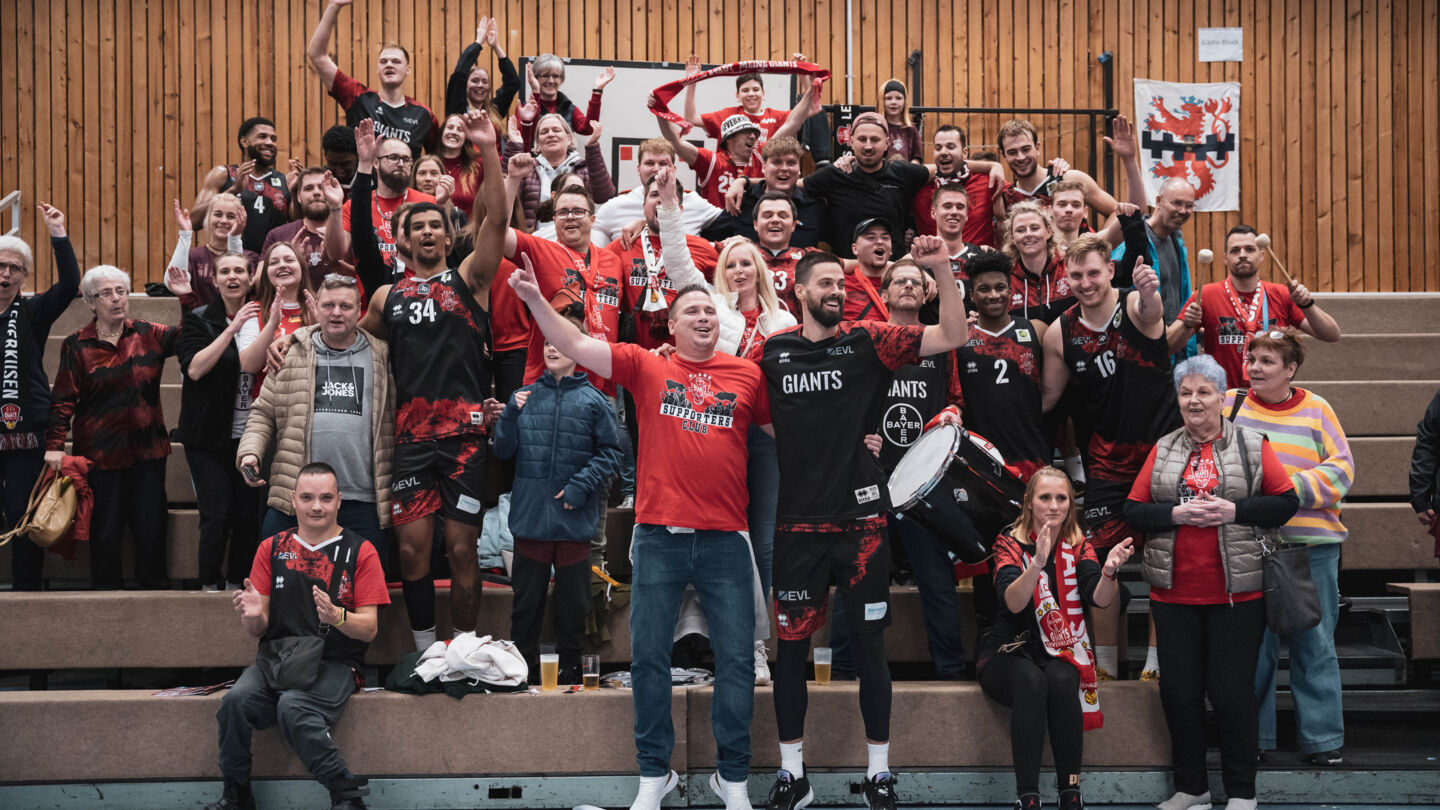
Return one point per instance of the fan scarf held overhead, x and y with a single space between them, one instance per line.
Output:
660 98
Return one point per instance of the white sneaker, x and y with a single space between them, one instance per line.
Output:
1242 804
653 790
1185 801
733 793
762 667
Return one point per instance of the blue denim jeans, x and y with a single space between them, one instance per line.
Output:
357 516
718 565
763 480
1314 667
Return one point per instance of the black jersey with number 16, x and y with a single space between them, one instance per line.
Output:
440 356
824 398
1126 399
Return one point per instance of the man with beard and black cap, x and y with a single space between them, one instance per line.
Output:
261 187
315 190
392 190
830 524
1242 306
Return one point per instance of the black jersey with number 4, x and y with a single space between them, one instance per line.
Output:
440 355
1000 390
267 205
824 398
1125 399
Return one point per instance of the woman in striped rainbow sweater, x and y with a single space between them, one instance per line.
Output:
1308 438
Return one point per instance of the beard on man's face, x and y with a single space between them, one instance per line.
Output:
827 317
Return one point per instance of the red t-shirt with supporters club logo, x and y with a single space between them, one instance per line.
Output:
1199 572
693 419
652 326
767 119
566 276
715 171
1228 332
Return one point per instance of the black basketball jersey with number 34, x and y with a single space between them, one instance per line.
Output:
440 356
824 398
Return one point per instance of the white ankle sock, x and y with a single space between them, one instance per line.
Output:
423 638
879 759
792 758
1106 657
1152 660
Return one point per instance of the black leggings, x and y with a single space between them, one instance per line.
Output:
871 666
1038 697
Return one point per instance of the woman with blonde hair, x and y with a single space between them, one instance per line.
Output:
1038 287
1037 658
904 136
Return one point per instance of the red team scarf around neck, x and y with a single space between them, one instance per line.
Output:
660 98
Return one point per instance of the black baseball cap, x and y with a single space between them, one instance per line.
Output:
867 224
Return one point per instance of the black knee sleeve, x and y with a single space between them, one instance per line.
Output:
420 602
791 698
873 669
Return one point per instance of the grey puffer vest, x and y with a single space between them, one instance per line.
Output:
1240 550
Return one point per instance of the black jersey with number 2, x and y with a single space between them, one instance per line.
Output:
1000 389
440 356
1126 400
824 398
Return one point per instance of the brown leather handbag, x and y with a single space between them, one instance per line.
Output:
50 513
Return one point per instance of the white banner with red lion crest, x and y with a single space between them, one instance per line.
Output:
1191 131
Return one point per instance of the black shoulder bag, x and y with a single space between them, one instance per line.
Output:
1292 604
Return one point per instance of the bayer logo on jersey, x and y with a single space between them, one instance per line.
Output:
902 424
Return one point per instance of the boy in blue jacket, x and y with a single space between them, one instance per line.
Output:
561 432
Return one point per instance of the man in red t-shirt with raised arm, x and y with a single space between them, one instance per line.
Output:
1242 306
694 408
395 114
315 581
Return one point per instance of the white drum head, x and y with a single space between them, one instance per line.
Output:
926 459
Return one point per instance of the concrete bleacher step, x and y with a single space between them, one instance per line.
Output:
150 621
1377 407
1424 600
1382 466
97 735
1385 537
1391 356
1382 313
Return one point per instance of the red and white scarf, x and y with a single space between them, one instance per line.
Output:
1061 617
660 98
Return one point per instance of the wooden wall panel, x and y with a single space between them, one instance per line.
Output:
115 107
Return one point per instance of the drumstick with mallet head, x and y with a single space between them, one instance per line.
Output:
1263 240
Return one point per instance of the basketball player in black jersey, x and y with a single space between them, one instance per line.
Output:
999 370
262 188
828 380
438 325
1110 350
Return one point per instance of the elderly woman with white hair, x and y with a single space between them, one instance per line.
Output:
108 386
25 406
545 75
556 154
1205 494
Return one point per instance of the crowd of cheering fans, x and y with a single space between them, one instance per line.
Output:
448 314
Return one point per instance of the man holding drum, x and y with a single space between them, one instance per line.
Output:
828 379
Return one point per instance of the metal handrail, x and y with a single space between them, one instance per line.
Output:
12 201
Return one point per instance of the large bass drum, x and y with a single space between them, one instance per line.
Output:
950 475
